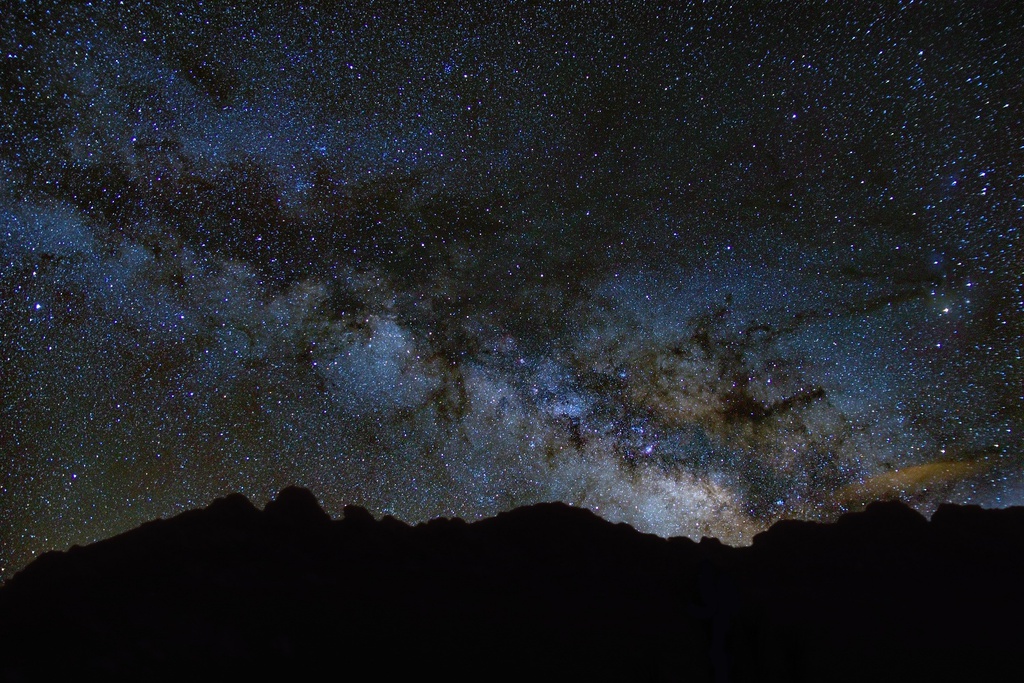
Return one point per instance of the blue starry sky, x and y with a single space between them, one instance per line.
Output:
695 266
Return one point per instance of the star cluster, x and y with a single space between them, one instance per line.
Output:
697 267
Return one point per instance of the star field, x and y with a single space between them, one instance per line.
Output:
695 267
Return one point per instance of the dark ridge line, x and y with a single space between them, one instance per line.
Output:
544 592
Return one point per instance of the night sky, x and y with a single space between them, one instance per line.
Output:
695 267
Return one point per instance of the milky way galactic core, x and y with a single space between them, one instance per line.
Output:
697 267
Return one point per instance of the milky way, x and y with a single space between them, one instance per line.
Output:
697 268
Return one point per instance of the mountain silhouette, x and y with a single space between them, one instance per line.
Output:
547 592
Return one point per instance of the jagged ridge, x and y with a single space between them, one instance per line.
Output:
540 593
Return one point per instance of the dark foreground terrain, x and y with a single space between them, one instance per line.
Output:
547 592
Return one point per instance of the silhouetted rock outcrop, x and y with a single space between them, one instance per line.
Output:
296 508
548 592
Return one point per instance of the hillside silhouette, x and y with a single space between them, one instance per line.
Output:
548 592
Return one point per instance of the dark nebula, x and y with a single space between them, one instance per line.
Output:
694 266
